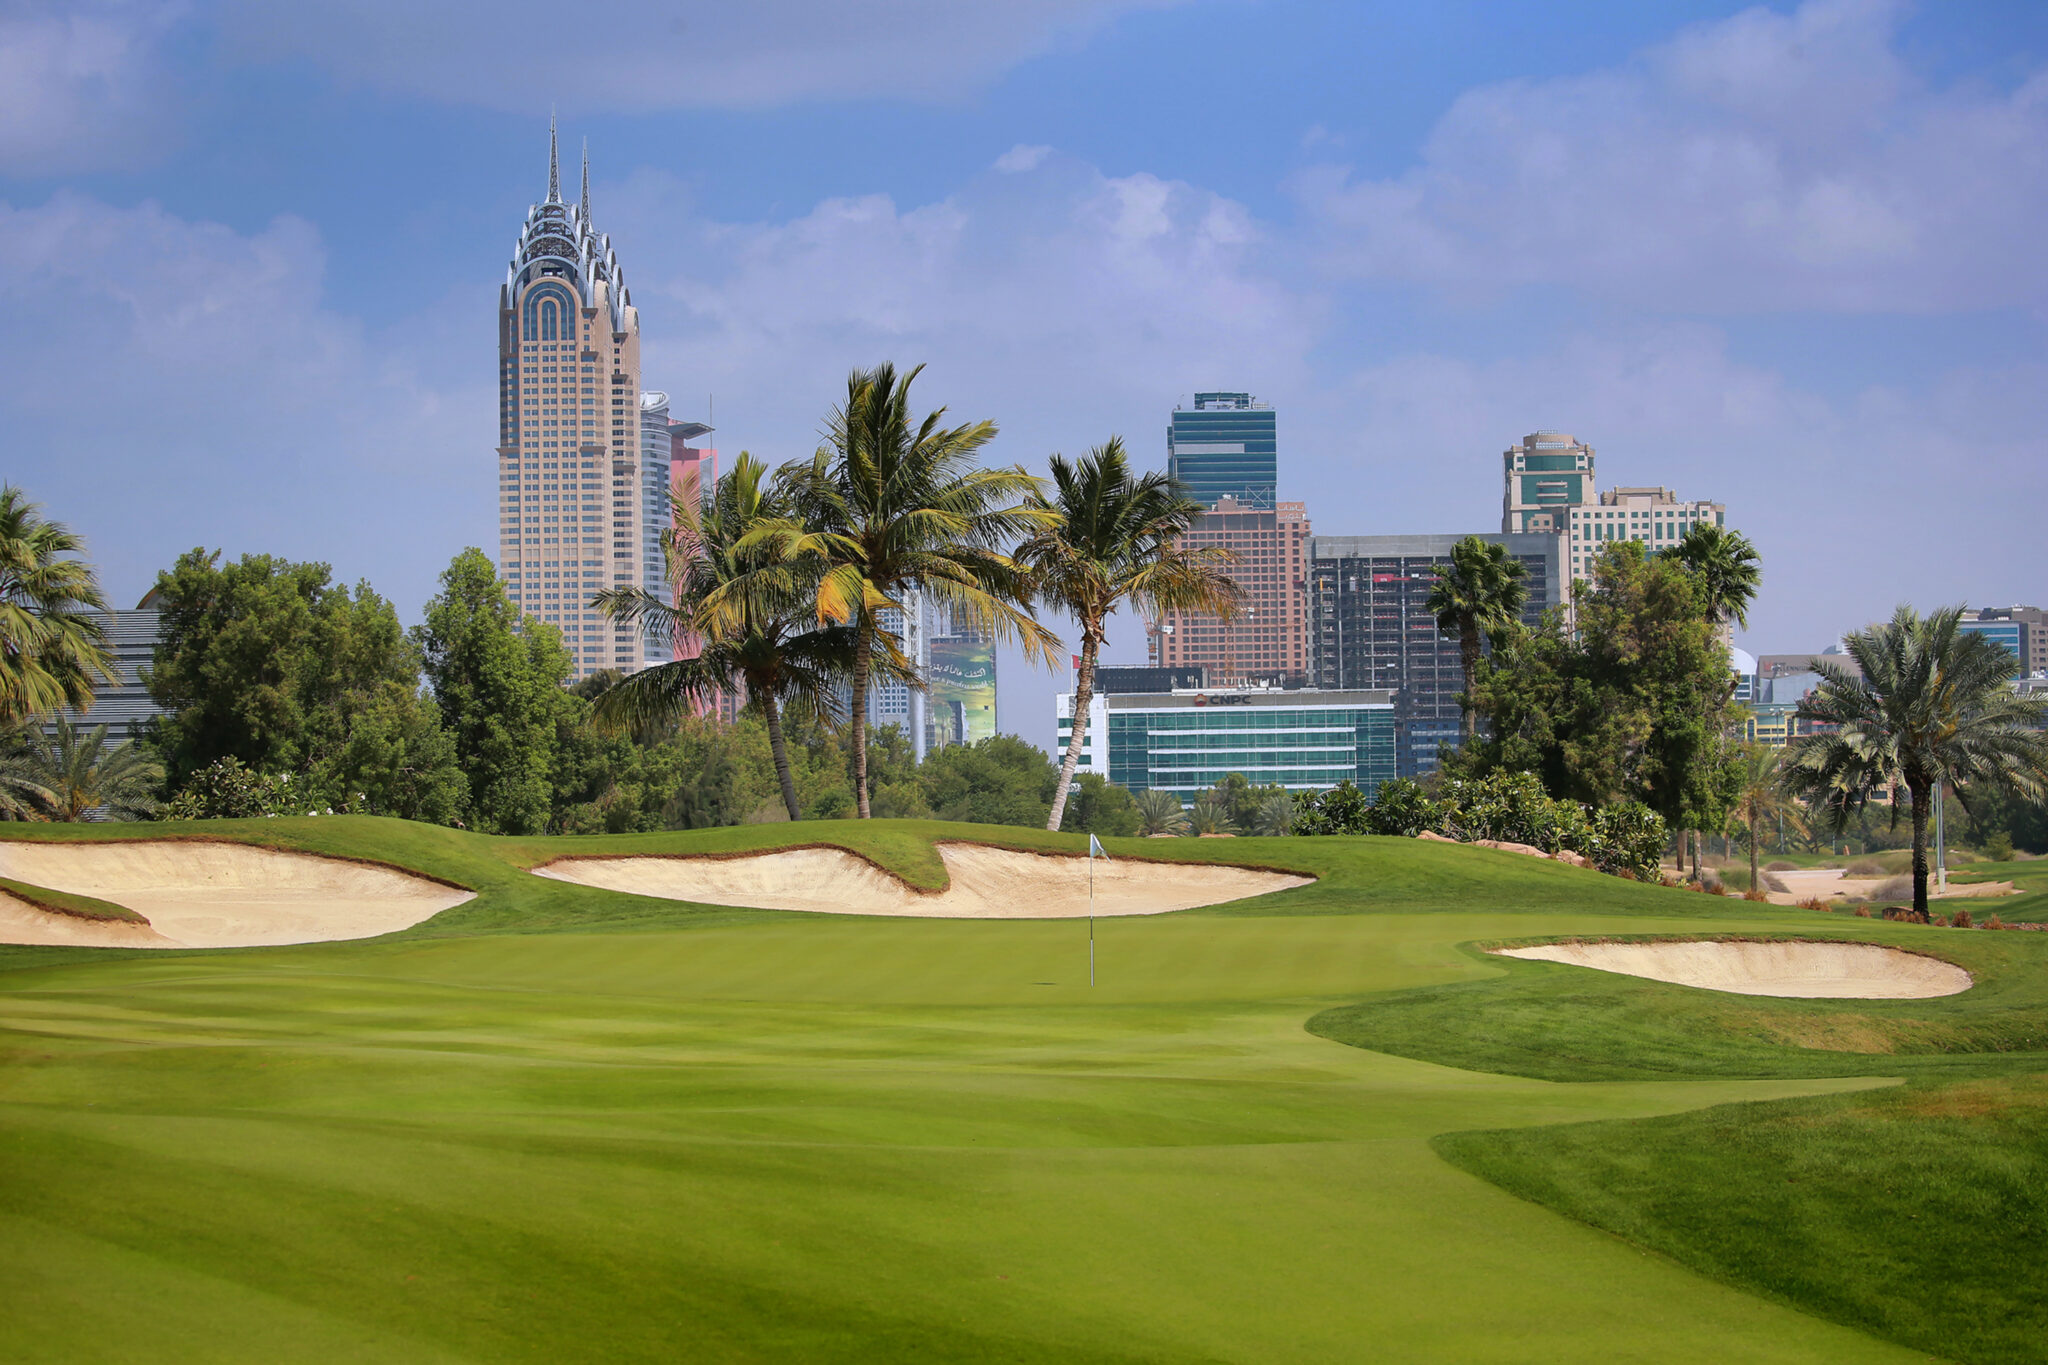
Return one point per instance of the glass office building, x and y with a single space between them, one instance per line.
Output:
1225 446
1186 742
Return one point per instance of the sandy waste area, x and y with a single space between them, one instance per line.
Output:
987 883
1825 883
1804 969
207 895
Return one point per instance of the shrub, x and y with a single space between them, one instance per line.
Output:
1775 884
1864 867
1401 807
1994 922
225 790
1755 896
1781 867
1941 921
1894 889
1962 919
1998 848
1343 809
1862 912
1816 903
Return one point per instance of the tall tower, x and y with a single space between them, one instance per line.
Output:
1543 478
573 507
1225 445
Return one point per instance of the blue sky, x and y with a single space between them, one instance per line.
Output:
1787 257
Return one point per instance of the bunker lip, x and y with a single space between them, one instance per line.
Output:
985 881
214 893
1789 968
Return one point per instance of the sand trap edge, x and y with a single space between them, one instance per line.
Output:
1509 948
540 869
379 864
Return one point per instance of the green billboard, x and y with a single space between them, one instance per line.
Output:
962 706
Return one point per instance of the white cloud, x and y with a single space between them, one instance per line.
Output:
662 54
186 383
83 86
1764 162
1021 158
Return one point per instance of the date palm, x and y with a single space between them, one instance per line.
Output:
1480 592
1934 705
1111 538
767 643
22 793
892 503
1762 797
53 644
81 772
1725 571
1159 812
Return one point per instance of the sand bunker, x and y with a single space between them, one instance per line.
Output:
1805 969
987 883
209 895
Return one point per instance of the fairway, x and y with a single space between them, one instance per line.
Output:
593 1126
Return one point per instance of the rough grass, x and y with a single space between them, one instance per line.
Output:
1903 1212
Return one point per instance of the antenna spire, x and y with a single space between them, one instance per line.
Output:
554 168
586 182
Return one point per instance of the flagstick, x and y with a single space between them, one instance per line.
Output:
1091 919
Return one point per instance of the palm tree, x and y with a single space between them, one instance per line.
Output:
1110 539
81 773
22 793
52 646
888 505
1274 815
1762 797
1725 570
1479 592
767 643
1934 705
1159 812
1211 815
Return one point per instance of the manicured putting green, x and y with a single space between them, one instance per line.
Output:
590 1126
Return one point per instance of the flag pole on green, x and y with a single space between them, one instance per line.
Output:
1095 850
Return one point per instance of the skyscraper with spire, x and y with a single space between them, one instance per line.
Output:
576 497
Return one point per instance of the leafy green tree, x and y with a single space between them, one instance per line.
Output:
497 677
999 781
1098 806
226 789
1160 812
270 663
81 772
1480 592
52 639
1632 706
1934 705
890 504
749 616
1112 538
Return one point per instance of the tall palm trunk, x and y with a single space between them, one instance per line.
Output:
1084 693
863 656
772 714
1923 793
1468 664
1754 817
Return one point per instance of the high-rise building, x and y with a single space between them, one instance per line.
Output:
1268 638
2023 630
574 487
1545 476
1187 740
895 703
1370 626
1655 516
125 706
1225 446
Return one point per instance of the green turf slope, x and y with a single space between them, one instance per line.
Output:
563 1124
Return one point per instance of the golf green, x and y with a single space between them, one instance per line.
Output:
564 1124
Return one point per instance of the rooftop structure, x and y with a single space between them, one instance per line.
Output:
1226 445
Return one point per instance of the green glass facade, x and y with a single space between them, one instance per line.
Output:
1187 748
1226 445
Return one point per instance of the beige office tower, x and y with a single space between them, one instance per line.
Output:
572 498
1543 478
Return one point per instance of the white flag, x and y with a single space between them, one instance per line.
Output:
1095 848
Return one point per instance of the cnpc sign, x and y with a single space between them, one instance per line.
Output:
1222 699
